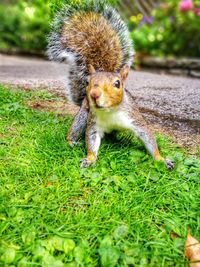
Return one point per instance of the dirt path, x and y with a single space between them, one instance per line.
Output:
170 103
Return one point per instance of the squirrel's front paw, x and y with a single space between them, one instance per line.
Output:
169 164
85 163
73 143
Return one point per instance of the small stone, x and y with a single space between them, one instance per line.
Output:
195 74
181 72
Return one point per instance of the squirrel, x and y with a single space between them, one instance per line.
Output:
94 41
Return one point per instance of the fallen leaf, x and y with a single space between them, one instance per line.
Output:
62 210
192 250
49 184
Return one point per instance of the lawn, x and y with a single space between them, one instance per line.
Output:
125 211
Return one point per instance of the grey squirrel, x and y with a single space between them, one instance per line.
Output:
93 40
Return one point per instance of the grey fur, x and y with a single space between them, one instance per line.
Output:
93 140
79 124
123 116
137 126
78 72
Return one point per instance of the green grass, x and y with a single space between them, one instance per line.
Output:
119 212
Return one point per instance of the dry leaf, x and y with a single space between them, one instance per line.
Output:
62 210
49 184
192 250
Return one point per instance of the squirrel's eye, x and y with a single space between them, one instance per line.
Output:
117 84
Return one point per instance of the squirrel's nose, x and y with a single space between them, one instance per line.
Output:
95 94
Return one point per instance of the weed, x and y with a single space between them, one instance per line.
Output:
120 212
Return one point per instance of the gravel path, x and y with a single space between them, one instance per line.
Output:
168 101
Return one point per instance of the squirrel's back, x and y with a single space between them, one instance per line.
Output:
89 34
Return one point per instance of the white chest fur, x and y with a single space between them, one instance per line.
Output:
109 120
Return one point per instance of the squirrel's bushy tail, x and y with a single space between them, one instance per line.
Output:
89 33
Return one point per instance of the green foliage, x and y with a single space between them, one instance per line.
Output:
26 26
56 5
119 212
167 32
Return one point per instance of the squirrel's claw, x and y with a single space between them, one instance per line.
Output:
169 164
85 162
73 143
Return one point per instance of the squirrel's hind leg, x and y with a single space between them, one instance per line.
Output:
79 124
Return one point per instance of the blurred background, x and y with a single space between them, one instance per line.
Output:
163 32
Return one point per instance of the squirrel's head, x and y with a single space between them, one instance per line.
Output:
105 89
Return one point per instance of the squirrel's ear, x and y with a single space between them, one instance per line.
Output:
91 69
124 72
